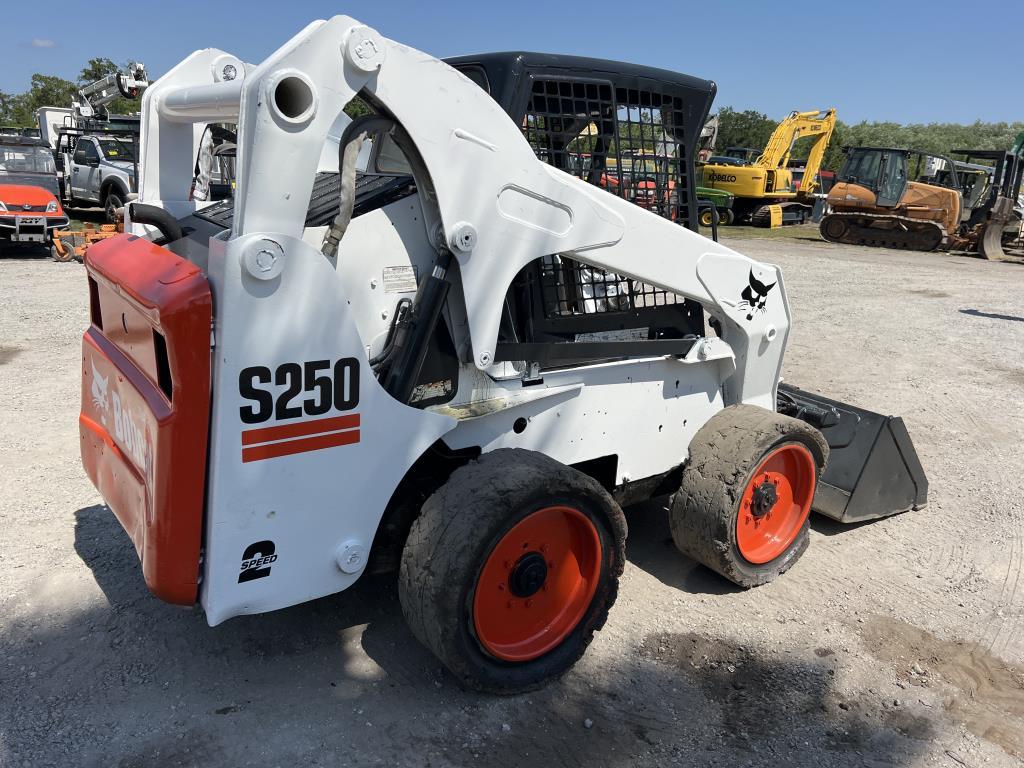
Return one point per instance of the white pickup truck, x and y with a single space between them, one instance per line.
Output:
96 169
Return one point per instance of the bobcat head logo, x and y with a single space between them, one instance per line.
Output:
99 393
754 296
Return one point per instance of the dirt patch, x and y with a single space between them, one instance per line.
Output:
761 695
8 353
989 693
1014 375
931 293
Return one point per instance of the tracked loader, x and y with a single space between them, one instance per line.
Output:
916 200
429 339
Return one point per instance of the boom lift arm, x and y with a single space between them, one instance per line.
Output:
119 85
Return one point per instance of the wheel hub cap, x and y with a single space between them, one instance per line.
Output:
775 503
528 575
764 499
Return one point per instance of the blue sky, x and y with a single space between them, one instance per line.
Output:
900 61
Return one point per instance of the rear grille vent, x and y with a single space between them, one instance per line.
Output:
163 365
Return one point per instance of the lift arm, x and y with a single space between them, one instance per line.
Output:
486 197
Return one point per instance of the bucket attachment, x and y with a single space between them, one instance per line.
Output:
873 470
990 243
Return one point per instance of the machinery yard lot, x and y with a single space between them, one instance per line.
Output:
899 642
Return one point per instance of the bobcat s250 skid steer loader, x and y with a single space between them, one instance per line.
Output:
459 360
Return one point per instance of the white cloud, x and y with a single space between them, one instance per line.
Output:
42 42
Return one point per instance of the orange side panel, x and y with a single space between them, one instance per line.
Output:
144 422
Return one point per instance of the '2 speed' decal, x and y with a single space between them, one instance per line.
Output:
256 561
294 390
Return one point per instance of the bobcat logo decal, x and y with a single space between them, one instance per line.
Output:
754 296
99 394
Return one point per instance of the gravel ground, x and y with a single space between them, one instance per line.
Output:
893 643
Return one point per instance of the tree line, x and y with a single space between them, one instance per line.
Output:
749 128
19 109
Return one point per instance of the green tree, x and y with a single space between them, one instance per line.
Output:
8 103
357 108
96 69
44 91
748 128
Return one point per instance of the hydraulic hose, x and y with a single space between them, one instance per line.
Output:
351 142
169 227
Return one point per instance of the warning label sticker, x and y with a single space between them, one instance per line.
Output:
400 279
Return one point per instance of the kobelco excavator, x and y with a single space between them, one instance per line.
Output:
432 339
764 190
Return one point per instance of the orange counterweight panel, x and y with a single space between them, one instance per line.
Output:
144 422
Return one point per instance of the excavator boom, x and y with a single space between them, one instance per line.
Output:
796 126
765 193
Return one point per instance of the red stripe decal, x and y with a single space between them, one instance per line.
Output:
289 447
286 431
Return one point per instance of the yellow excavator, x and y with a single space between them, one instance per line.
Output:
764 190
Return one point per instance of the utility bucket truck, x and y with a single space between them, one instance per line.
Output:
457 358
96 152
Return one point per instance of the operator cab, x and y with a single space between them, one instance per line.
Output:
886 171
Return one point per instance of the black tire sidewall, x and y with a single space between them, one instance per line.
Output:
458 528
111 211
725 454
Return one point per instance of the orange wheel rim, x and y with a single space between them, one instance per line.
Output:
537 584
775 503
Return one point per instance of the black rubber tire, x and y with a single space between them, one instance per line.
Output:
111 203
706 217
728 217
724 454
449 543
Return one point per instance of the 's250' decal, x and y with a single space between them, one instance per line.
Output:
333 388
278 394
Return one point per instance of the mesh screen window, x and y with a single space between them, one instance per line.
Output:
624 141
